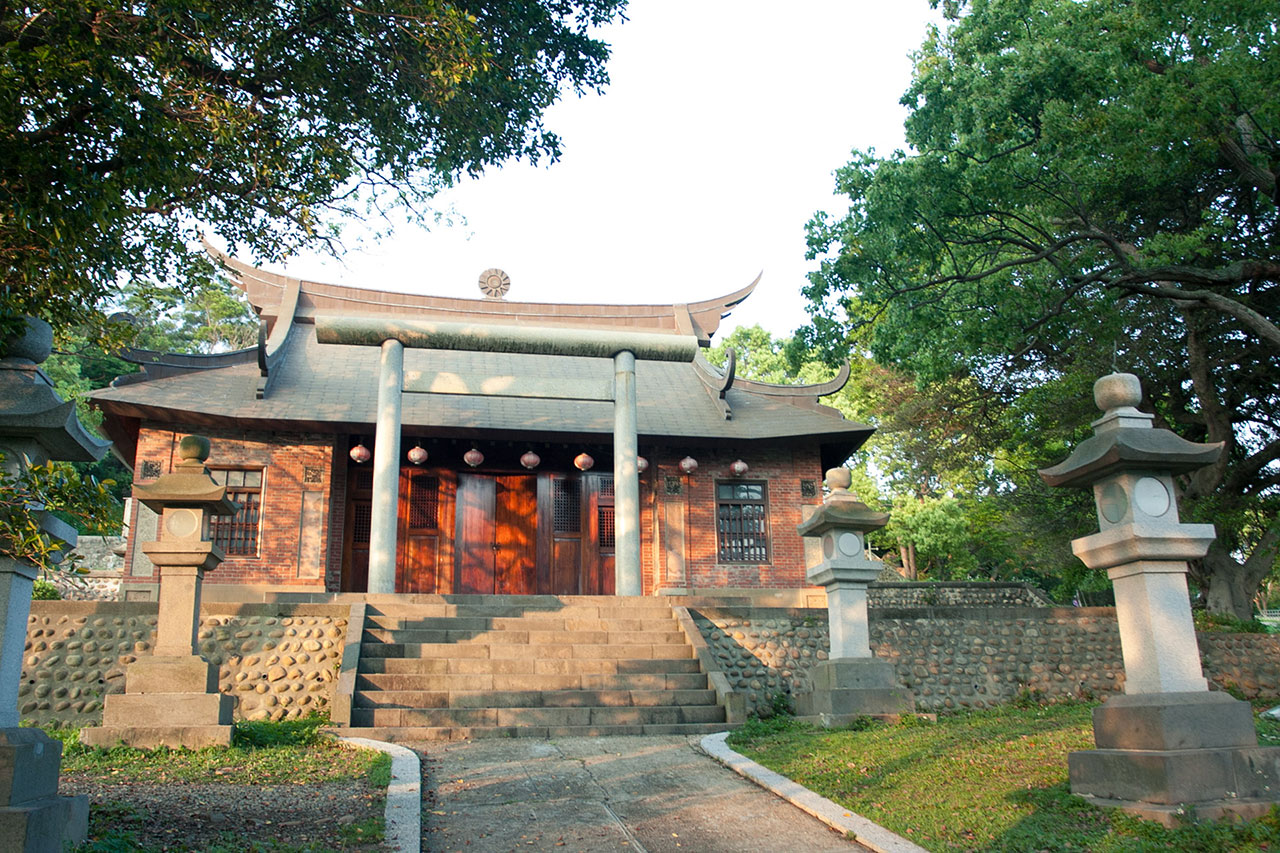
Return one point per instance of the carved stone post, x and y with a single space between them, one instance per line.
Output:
171 698
852 682
1167 742
35 426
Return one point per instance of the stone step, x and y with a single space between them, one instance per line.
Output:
522 637
411 734
461 665
542 716
448 683
548 622
545 651
571 698
522 605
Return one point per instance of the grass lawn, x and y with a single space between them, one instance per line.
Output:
981 780
291 754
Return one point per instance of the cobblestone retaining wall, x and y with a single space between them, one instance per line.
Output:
951 658
280 660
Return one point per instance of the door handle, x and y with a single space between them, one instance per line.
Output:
497 547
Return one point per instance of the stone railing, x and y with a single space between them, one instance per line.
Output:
960 657
281 660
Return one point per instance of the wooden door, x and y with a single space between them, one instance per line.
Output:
515 535
424 553
497 534
355 557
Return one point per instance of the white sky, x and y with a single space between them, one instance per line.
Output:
697 168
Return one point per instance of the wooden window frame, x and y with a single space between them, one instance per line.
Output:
725 550
221 530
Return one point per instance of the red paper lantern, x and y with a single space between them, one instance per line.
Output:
360 454
688 464
642 464
738 468
417 455
530 460
583 462
473 457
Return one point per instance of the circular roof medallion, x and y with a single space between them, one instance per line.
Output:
494 283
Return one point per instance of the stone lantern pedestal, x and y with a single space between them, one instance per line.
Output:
1168 742
171 698
36 425
852 682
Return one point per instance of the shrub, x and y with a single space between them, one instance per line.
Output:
44 590
265 733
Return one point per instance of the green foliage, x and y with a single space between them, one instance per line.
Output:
258 734
130 126
761 729
1092 183
43 590
1225 623
53 487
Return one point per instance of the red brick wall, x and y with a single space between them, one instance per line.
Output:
284 458
782 468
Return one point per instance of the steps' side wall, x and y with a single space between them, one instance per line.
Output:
282 661
964 658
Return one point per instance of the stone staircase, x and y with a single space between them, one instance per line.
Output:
471 666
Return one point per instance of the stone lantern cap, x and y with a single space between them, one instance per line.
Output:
190 484
31 410
841 510
1124 440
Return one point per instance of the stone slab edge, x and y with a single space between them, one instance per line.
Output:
733 703
345 686
868 834
404 795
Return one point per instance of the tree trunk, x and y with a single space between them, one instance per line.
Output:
1233 584
908 554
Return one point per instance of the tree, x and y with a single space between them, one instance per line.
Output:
124 126
1093 183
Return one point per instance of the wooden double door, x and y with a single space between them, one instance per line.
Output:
492 533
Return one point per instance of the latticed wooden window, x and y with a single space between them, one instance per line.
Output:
424 501
742 522
604 514
237 535
567 505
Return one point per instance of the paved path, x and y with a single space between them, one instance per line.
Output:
653 794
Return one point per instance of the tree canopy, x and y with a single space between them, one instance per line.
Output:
1092 183
126 126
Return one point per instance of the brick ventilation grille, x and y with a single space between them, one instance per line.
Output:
808 488
605 515
312 475
424 501
150 470
742 533
672 485
567 506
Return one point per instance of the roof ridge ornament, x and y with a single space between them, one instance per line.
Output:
494 283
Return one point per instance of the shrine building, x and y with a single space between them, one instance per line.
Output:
387 442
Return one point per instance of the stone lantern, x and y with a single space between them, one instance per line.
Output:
171 698
852 682
1168 741
36 425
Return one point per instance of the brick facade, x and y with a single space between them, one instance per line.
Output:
298 471
304 476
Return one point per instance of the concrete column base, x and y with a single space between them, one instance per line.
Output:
854 687
193 720
1160 753
33 817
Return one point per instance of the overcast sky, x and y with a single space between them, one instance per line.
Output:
696 169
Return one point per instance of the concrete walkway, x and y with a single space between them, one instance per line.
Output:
652 794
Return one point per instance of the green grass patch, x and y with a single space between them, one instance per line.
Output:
993 780
292 753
